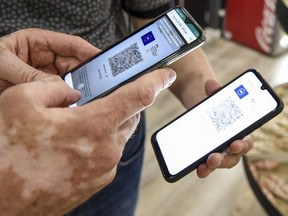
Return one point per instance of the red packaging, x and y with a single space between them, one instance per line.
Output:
254 23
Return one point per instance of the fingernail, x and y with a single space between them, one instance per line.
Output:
172 77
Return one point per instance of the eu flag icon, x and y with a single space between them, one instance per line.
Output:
241 91
148 38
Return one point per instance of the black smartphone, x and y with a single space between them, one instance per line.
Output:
162 41
234 111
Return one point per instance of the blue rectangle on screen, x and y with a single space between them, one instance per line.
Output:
148 38
241 91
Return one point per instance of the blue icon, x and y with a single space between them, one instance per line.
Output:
241 91
148 38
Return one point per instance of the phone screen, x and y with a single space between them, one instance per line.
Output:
213 122
142 50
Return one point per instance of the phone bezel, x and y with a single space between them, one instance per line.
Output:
173 178
168 60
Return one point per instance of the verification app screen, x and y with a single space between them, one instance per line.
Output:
213 122
130 57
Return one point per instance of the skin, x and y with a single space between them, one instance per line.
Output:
52 158
194 72
196 80
48 163
25 55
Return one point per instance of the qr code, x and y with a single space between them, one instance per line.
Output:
225 114
125 59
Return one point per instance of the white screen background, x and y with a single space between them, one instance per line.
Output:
194 135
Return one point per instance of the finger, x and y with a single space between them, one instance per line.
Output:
203 171
15 71
50 92
60 66
248 143
211 86
214 160
135 96
241 146
30 45
65 64
229 161
129 127
226 159
66 45
4 84
222 160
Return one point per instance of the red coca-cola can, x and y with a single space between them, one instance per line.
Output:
255 24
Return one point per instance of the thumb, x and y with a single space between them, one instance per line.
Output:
15 71
211 86
133 97
49 92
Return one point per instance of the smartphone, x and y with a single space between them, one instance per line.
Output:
234 111
162 41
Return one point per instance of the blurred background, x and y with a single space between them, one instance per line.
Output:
241 34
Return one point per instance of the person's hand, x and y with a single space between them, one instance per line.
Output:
232 155
52 157
26 54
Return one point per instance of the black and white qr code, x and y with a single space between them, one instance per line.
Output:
225 114
125 59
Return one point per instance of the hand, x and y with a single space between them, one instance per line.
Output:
54 157
26 54
232 155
